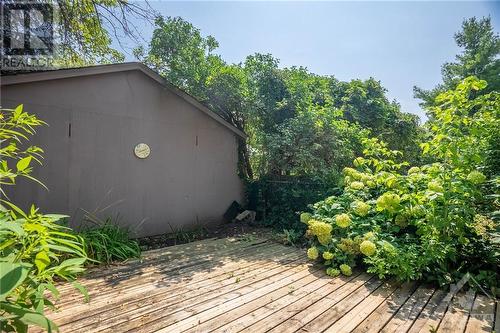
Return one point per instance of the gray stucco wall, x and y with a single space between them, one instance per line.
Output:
189 179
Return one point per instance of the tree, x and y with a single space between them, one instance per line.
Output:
83 29
480 58
298 123
269 108
181 54
317 143
366 103
227 93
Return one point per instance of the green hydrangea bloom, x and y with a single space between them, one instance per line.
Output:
435 186
312 253
371 183
391 182
347 245
360 208
401 220
413 170
417 211
367 247
389 247
343 220
333 272
327 255
365 178
357 185
305 217
322 230
369 235
483 225
476 177
346 269
388 201
353 173
359 161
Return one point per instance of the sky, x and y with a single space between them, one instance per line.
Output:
401 43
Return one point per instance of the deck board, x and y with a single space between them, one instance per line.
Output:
482 315
409 312
386 310
251 284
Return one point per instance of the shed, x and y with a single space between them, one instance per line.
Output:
101 120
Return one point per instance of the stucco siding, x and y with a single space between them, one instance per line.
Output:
94 124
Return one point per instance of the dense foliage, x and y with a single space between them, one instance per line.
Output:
34 248
432 221
298 123
301 126
280 200
106 241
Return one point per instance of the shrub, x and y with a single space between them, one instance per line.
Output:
427 222
34 248
280 200
106 242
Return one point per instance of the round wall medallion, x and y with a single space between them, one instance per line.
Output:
142 150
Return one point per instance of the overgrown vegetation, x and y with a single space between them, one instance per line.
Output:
35 248
302 128
401 199
106 241
279 200
431 221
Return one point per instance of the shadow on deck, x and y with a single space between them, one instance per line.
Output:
254 285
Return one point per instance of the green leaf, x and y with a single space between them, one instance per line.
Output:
73 262
15 208
425 148
42 260
18 111
55 217
23 163
50 287
11 276
7 244
34 227
13 226
60 248
29 317
81 289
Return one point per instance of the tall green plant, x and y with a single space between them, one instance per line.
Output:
106 241
34 248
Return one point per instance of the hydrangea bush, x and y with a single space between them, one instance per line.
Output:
415 222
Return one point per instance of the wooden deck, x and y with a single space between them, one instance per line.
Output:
255 285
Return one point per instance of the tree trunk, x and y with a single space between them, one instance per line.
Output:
245 169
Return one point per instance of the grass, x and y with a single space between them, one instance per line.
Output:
106 242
